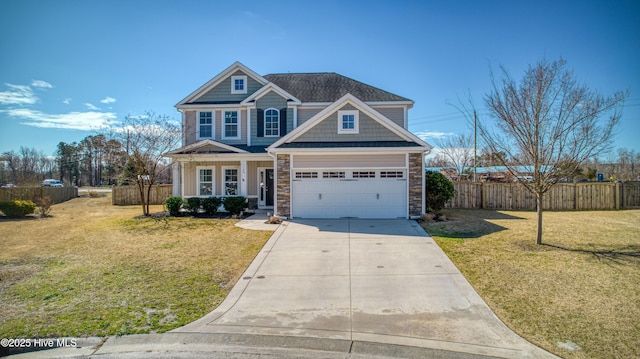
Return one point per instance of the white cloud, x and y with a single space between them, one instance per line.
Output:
67 101
41 84
85 121
18 95
91 107
108 100
433 135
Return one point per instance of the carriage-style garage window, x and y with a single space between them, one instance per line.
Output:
271 123
348 122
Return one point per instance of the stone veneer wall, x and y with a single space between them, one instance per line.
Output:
283 186
416 177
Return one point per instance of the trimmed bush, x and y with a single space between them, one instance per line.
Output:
210 205
438 190
17 208
192 205
235 205
173 205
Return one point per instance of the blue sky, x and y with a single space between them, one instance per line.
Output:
66 67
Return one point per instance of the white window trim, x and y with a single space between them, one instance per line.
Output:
233 84
213 125
224 124
277 122
224 180
213 180
356 122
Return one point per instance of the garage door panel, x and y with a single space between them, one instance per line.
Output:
362 198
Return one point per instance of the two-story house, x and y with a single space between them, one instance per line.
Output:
308 145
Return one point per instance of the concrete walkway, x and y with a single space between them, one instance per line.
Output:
336 289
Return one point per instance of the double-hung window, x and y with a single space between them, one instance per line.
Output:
348 122
205 181
205 124
272 123
230 181
231 125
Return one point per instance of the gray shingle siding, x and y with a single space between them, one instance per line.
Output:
222 92
327 130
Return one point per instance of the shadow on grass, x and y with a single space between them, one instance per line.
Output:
468 223
630 253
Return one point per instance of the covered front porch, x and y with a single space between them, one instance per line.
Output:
251 178
212 169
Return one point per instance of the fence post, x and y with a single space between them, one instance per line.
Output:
482 196
617 195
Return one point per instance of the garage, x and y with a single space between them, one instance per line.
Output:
358 193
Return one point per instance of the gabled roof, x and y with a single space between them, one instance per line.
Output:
361 106
329 87
266 89
195 146
219 78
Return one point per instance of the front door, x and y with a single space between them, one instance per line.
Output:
265 190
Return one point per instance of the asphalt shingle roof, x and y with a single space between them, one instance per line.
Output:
328 87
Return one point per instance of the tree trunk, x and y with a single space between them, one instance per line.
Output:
142 199
539 212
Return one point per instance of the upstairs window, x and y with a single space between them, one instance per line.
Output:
272 123
205 124
348 122
231 125
238 84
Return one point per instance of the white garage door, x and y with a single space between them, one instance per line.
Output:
359 194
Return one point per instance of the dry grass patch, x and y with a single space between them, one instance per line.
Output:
581 286
94 269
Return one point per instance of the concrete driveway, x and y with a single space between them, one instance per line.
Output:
358 282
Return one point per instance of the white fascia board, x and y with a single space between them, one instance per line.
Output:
219 78
349 150
206 107
213 157
203 143
391 103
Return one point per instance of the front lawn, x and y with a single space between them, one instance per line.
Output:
94 269
582 287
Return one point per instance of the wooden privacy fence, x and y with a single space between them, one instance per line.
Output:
130 195
57 194
562 196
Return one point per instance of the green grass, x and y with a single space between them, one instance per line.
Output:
94 269
581 286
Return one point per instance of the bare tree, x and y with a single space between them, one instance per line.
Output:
458 151
547 121
146 139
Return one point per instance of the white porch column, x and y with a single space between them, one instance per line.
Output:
243 178
176 173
